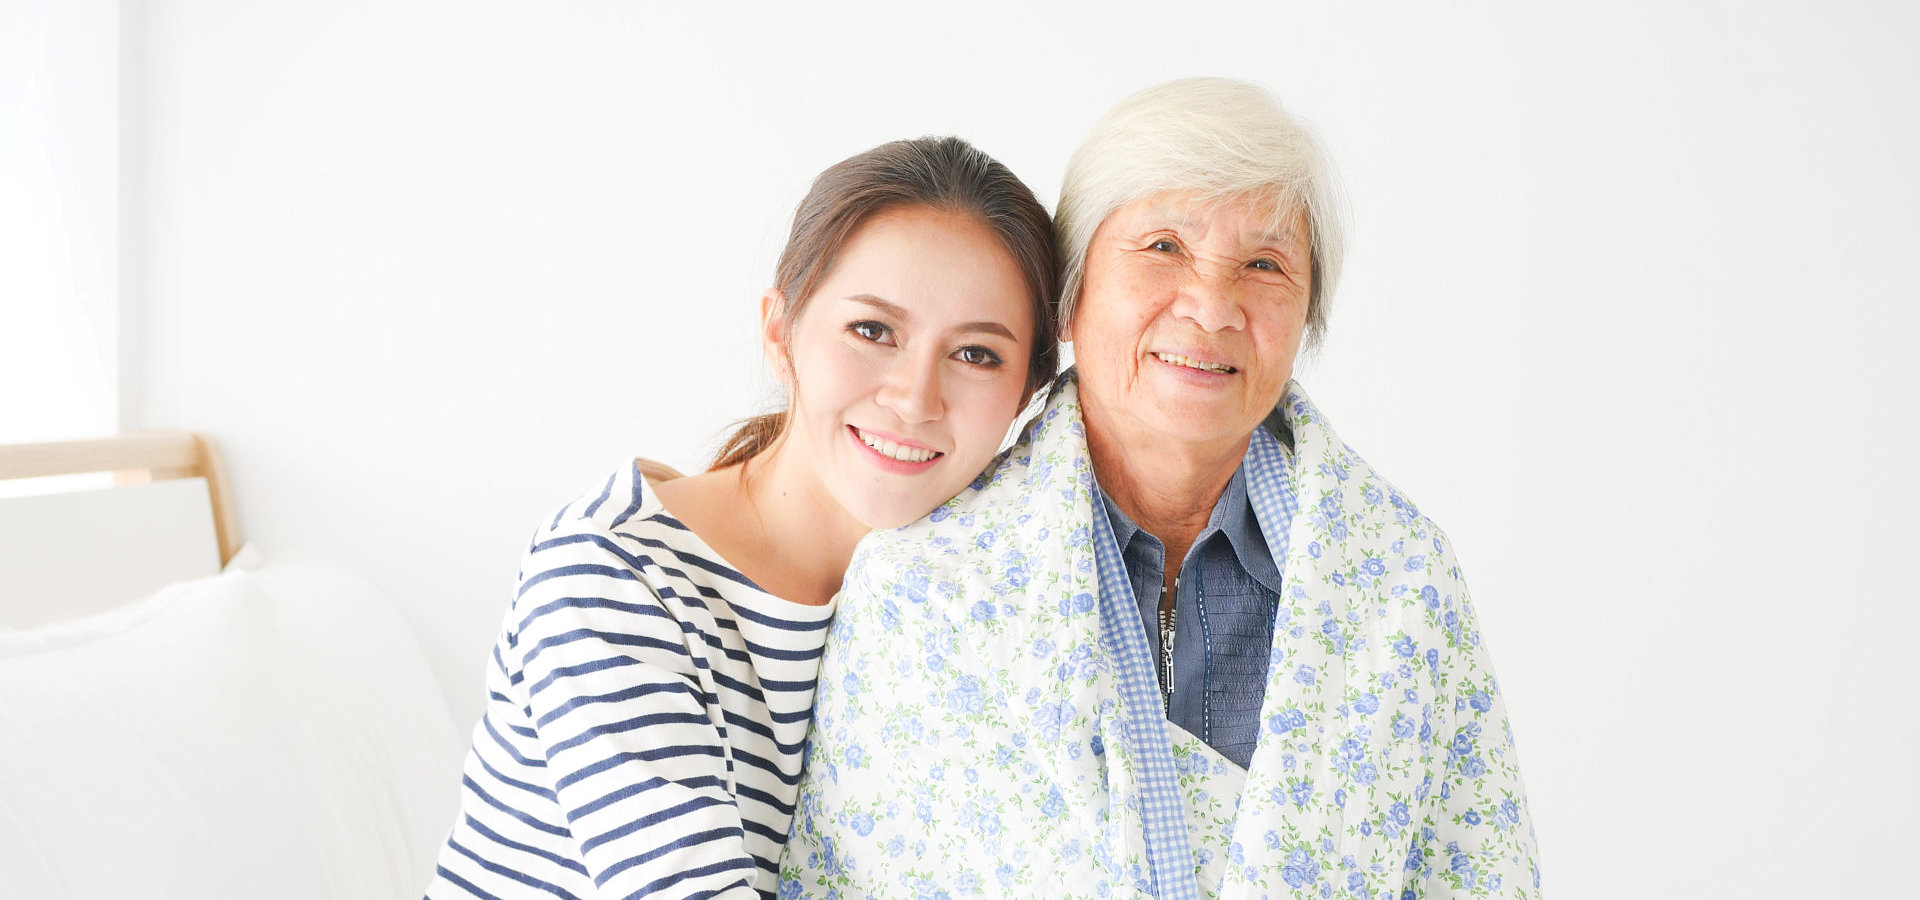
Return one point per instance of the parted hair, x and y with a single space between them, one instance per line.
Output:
941 173
1220 138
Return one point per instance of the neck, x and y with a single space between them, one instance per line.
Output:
1167 488
804 539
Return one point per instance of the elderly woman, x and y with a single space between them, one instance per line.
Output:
1180 640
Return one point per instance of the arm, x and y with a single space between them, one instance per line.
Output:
636 757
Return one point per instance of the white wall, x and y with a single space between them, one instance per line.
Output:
1627 311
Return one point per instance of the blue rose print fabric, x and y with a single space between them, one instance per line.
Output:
986 725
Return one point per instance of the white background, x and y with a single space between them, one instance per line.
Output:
1626 310
59 211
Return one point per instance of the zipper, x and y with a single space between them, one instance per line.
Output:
1166 643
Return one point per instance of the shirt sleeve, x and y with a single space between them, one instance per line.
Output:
635 746
1477 838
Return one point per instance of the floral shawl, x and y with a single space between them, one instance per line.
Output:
988 723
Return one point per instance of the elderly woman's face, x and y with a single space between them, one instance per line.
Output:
1189 318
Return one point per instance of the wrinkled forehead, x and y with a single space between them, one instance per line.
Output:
1275 217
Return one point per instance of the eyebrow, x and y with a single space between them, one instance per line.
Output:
897 311
1180 216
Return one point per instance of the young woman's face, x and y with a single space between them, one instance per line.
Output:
908 363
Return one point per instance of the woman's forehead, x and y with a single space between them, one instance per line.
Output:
1255 218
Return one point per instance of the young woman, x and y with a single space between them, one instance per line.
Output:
651 689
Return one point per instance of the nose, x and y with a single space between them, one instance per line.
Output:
1210 299
912 389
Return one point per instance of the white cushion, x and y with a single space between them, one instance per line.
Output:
250 734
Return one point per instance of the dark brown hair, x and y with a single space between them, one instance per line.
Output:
942 173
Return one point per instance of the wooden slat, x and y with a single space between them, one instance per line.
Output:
151 450
136 459
214 469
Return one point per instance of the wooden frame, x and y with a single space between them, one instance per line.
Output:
136 458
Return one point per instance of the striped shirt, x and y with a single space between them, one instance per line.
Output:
647 711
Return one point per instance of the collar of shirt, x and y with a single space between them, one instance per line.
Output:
1232 516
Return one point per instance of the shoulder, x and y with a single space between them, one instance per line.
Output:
618 530
1358 536
1029 511
624 508
1333 481
620 503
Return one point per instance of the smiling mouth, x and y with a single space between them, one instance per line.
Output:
894 451
1187 362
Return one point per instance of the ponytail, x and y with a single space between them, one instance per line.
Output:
750 439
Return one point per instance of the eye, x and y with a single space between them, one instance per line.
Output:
873 331
1265 265
975 355
1163 245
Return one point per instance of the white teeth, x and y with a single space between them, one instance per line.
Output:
1191 363
892 450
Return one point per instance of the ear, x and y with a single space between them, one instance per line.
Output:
774 330
1066 324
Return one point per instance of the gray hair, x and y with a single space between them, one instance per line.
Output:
1220 138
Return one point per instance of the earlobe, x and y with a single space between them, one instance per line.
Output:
773 334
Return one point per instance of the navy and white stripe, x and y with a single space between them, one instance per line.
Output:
648 708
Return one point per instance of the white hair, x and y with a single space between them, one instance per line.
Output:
1220 138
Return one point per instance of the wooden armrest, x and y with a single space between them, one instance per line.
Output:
134 459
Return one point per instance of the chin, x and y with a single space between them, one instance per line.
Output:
888 512
890 520
1185 426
